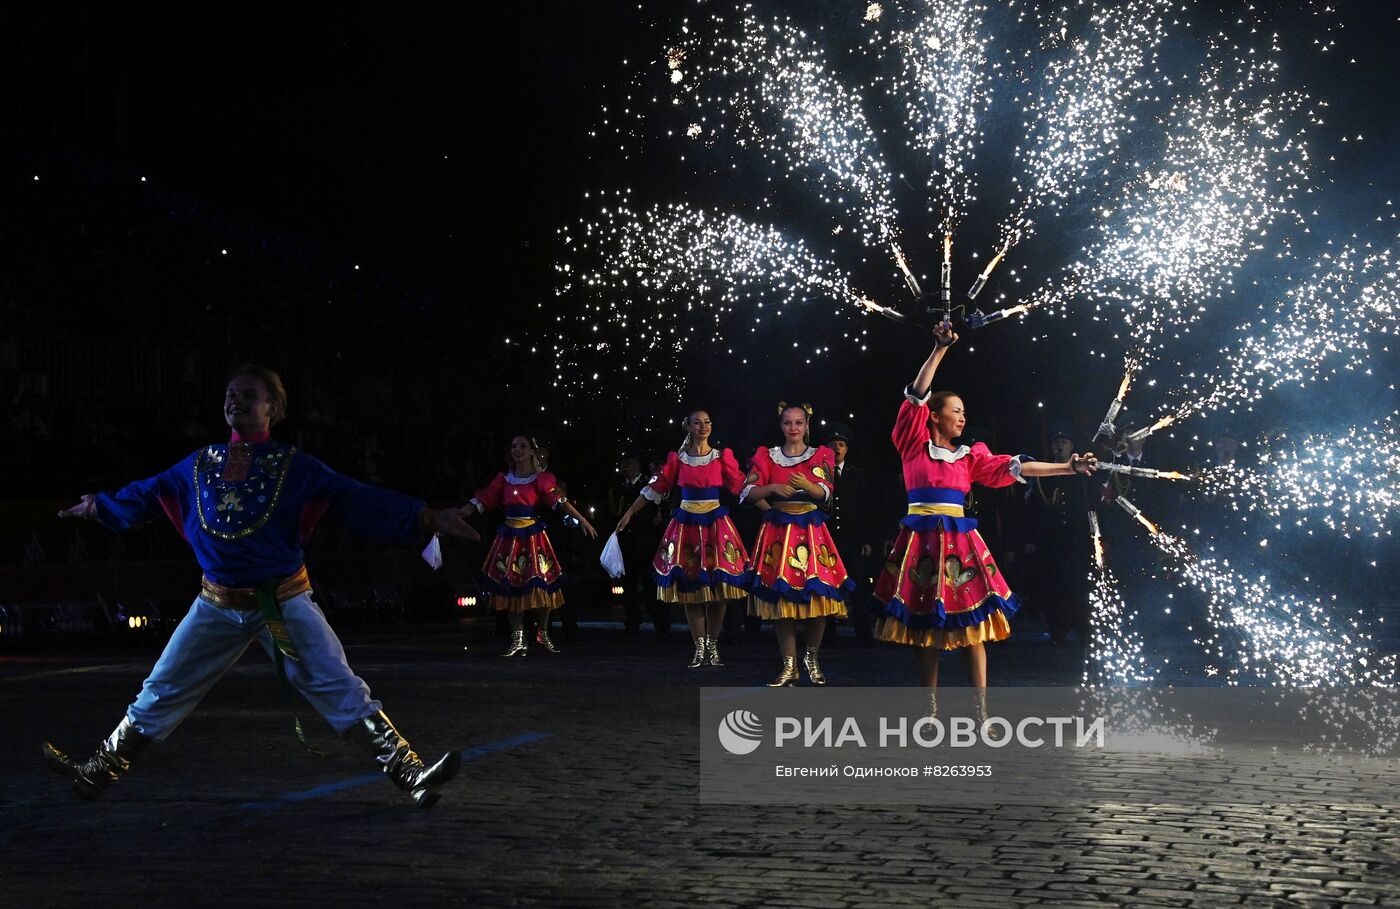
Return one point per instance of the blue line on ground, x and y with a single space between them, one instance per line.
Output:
468 754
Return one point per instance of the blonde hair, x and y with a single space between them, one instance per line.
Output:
688 441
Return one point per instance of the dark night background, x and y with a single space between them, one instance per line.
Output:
438 147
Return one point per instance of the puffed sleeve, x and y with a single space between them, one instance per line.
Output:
758 473
825 459
488 497
137 503
663 482
910 435
992 469
548 486
367 511
729 470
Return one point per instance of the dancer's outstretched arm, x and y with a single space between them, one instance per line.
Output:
943 338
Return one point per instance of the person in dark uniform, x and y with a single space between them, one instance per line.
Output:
638 540
851 526
1057 545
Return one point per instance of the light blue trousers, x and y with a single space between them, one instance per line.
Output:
210 640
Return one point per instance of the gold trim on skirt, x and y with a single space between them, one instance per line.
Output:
994 627
786 609
718 594
532 599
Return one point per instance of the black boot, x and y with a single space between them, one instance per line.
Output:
378 736
113 758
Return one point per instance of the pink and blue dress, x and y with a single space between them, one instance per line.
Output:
701 558
940 586
795 571
521 571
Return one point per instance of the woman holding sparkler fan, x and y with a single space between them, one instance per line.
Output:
796 573
940 588
521 571
700 562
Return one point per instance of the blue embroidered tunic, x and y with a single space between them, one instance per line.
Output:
248 507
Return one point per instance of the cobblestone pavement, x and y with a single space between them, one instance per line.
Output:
579 789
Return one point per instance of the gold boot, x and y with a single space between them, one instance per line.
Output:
979 707
712 652
814 669
542 638
933 703
699 659
517 645
788 676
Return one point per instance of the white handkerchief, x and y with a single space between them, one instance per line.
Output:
432 553
611 559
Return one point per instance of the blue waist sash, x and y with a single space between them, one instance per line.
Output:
937 507
801 519
935 495
699 505
521 521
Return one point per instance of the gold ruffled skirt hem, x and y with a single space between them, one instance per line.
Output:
817 608
534 599
994 627
717 594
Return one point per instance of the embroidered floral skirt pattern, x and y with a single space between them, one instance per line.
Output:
941 588
700 560
522 572
796 572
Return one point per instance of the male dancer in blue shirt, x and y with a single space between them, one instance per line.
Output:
246 508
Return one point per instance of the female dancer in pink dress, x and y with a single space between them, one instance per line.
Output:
521 571
795 571
700 562
940 588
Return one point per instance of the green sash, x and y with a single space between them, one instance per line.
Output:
282 650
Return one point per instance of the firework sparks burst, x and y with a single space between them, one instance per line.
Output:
1116 651
1214 167
637 266
1282 638
1325 318
771 86
944 84
1349 483
1082 110
1232 158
